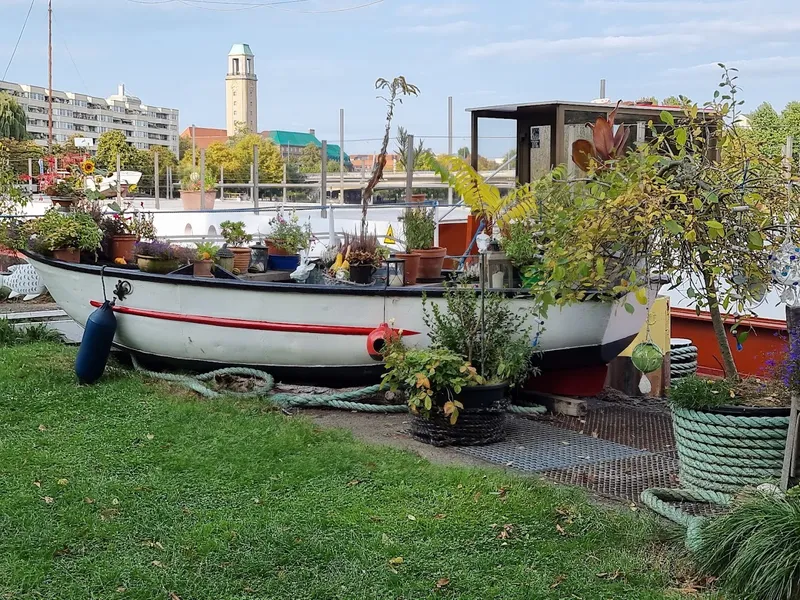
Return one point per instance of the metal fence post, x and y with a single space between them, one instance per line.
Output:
202 178
255 177
284 183
450 142
119 182
221 183
436 222
323 179
194 163
155 179
341 155
409 168
332 241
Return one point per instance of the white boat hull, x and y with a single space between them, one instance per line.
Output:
278 325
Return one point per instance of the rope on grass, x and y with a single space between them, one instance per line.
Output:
346 400
719 455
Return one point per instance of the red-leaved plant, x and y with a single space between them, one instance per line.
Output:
604 146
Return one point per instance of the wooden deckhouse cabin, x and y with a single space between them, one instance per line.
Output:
545 131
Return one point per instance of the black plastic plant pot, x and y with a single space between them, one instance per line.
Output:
482 420
361 273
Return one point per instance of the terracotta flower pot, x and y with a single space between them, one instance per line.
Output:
65 203
275 250
122 246
418 197
430 262
241 258
191 200
202 268
410 268
71 255
148 264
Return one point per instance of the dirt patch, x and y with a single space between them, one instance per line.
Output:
765 393
387 430
16 305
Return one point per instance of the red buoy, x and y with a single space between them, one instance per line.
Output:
377 339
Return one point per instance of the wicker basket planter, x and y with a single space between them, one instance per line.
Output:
726 449
482 420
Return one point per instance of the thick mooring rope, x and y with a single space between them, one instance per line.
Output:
719 455
341 400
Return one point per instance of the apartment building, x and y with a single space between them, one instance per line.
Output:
88 116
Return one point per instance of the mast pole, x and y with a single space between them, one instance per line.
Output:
50 75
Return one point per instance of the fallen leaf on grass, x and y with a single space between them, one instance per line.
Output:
352 483
558 581
411 517
38 484
48 500
506 532
385 539
122 589
249 590
174 596
375 518
443 582
611 576
397 560
108 513
560 529
440 516
149 436
477 496
63 481
157 563
152 544
42 428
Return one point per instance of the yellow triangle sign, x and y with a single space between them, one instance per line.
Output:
389 239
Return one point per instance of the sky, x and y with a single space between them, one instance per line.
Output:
313 57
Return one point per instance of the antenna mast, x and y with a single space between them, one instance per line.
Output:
50 75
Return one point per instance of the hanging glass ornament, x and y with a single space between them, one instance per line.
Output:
647 357
785 267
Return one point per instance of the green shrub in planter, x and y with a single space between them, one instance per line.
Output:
698 393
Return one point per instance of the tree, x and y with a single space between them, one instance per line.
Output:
270 161
463 152
184 146
111 143
13 122
676 100
397 88
19 151
769 130
422 155
647 100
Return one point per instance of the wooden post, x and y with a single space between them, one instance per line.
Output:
559 137
323 179
791 458
202 178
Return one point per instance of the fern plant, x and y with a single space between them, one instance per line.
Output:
485 200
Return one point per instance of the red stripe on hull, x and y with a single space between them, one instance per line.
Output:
244 323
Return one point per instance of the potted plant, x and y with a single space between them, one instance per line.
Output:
435 381
191 187
236 240
363 254
286 238
63 193
124 228
161 257
498 353
518 241
204 260
419 227
740 424
64 234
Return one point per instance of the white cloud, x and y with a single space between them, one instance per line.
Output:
447 9
710 6
769 65
441 28
531 48
650 38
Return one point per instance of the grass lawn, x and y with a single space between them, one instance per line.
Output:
130 490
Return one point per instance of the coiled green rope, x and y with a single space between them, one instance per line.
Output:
719 455
341 400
